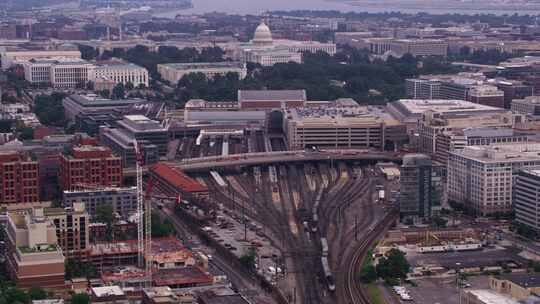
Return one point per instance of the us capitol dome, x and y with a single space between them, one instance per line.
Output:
262 36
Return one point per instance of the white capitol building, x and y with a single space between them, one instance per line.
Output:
263 49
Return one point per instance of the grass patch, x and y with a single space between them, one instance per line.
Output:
374 294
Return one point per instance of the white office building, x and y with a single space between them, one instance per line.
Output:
482 178
173 72
11 58
123 73
59 72
269 57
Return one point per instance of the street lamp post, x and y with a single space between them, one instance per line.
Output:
458 280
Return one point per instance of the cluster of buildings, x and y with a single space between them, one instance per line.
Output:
266 51
40 240
473 87
399 37
64 69
475 156
262 49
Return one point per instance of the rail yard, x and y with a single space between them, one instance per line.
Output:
309 224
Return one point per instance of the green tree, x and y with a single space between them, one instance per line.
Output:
439 222
6 125
88 52
525 231
105 93
49 109
80 298
105 214
37 293
161 228
76 269
25 133
129 86
394 265
16 295
248 259
368 274
119 91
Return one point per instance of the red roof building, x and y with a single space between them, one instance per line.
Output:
173 182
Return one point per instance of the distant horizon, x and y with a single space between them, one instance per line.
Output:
256 7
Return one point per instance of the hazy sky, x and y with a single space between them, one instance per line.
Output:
259 6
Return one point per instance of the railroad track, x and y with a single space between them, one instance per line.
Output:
352 290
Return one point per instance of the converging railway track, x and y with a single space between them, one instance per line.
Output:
352 290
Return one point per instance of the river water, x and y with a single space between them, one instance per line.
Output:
259 6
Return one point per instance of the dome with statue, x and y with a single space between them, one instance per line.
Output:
262 36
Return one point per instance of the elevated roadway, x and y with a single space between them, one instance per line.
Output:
263 158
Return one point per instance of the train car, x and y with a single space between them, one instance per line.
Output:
219 180
328 274
315 223
324 245
315 211
381 195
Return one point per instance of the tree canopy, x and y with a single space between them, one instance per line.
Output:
349 73
394 265
161 228
49 109
80 298
142 56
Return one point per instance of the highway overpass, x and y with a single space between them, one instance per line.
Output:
266 158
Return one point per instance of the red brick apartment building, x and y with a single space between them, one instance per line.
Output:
19 179
90 165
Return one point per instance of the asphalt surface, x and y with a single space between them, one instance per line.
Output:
243 284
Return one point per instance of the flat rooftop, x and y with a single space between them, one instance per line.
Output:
528 100
204 65
419 106
210 298
159 245
332 115
97 101
511 152
527 280
107 291
59 61
117 65
216 105
141 123
489 132
272 95
489 296
182 276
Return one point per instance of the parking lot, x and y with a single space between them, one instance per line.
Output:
240 237
439 290
478 258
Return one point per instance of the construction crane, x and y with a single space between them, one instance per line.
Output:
144 224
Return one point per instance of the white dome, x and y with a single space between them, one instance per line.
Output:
263 35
